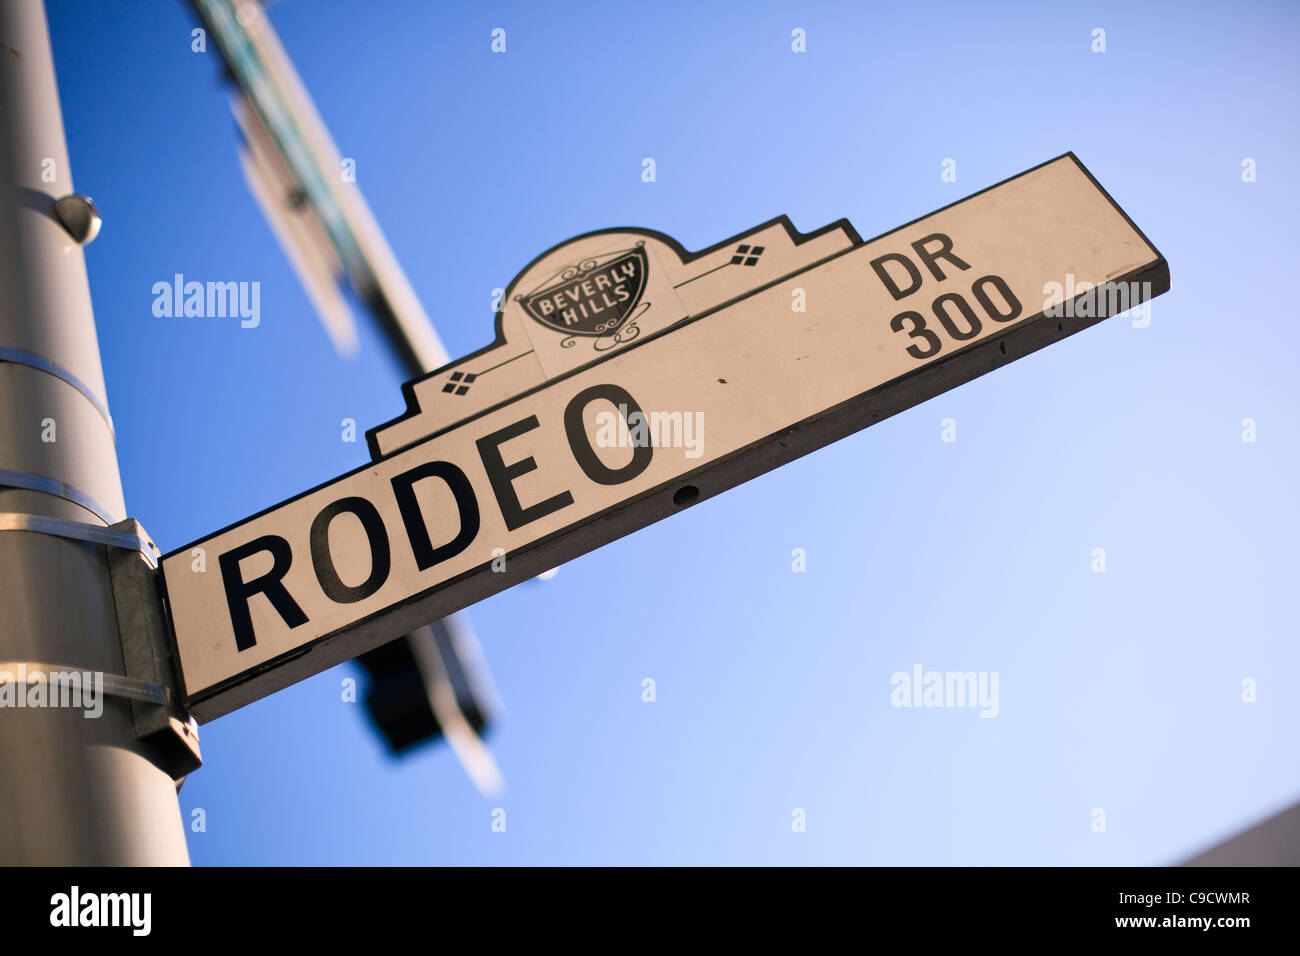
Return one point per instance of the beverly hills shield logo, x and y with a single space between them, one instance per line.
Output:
593 297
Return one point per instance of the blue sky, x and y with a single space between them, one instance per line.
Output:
1119 690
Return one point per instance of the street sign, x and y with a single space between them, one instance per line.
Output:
628 380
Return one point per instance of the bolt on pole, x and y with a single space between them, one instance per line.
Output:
75 789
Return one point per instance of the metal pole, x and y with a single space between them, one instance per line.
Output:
74 790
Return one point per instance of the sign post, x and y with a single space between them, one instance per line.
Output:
628 380
77 787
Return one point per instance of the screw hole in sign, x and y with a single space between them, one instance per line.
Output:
686 495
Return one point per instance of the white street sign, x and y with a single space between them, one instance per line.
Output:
629 379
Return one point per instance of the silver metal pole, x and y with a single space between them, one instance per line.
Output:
74 790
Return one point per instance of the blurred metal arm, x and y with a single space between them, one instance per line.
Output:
431 682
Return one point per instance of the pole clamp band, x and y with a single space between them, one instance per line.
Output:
52 486
29 672
80 531
42 364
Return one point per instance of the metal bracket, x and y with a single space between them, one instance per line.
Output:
151 680
147 654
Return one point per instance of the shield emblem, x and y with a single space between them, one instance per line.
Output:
593 297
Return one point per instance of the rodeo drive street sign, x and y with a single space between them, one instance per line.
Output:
630 378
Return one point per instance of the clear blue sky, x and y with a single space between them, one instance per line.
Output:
1119 690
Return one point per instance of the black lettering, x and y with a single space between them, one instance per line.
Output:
912 271
426 555
501 476
238 591
940 307
986 301
323 561
943 252
918 331
585 455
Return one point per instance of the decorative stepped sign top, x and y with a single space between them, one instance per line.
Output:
630 378
591 296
